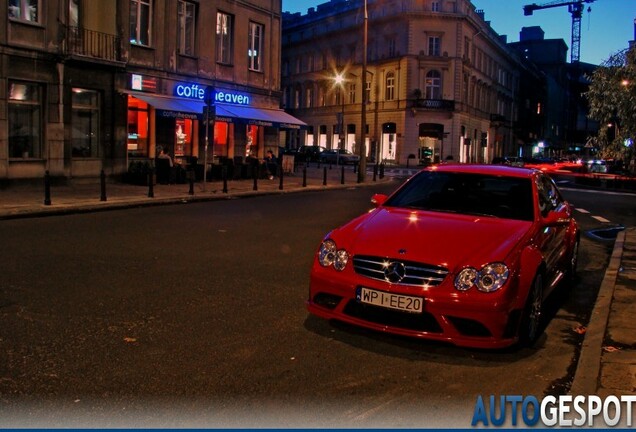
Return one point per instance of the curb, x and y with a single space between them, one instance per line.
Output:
586 377
83 206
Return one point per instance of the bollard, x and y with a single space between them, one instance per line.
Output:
304 176
102 178
224 174
47 188
280 175
375 172
255 172
324 176
342 175
151 191
381 171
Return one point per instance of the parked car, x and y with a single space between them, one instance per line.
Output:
465 254
508 160
339 156
308 153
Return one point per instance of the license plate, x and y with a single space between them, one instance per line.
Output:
389 300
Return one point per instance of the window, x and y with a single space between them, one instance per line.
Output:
224 29
138 122
549 198
390 87
391 44
435 6
338 97
85 123
25 120
140 22
434 46
296 98
187 29
74 13
25 10
433 85
309 97
367 98
352 93
255 43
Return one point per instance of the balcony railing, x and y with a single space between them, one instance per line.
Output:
90 43
435 104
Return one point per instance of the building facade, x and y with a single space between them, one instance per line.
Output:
91 85
441 83
566 125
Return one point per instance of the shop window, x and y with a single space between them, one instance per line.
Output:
224 30
25 120
221 135
255 47
183 138
251 146
85 123
140 22
137 127
187 31
25 10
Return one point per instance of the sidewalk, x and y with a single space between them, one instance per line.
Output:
85 195
607 362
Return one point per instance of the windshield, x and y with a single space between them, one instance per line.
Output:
471 194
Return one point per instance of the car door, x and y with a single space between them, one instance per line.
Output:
553 244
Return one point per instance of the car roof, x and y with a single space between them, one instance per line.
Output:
497 170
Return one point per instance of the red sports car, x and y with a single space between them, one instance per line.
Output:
460 253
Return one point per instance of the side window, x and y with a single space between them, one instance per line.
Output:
549 198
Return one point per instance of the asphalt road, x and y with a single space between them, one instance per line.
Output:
193 316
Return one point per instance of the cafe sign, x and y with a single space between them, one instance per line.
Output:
197 92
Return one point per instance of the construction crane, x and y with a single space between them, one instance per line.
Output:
575 7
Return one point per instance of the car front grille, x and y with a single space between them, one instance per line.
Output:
416 274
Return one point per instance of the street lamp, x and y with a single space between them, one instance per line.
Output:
362 169
340 82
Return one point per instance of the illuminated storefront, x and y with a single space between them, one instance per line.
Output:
242 127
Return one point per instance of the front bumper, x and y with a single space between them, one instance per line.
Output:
468 319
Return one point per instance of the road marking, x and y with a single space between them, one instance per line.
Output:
580 210
600 219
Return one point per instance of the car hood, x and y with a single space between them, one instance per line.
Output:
445 239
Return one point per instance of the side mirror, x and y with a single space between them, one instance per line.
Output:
378 199
558 218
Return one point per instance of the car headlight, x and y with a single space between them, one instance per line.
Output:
329 254
466 279
490 278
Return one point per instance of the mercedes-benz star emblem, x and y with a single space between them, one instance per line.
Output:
395 272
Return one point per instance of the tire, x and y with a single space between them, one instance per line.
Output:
573 262
531 320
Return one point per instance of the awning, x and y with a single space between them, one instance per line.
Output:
189 108
173 107
260 116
